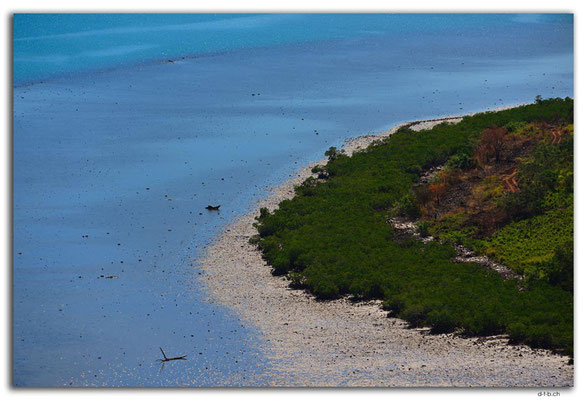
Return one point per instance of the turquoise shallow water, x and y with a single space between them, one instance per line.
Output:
117 152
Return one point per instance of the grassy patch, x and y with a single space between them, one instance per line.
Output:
529 244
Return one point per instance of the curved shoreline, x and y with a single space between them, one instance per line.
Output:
340 343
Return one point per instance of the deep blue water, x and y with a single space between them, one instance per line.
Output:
48 45
99 117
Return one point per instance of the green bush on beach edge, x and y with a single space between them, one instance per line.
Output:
333 240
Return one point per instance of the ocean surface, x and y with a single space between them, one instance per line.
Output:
127 126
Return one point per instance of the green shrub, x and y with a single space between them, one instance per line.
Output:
394 305
297 280
461 161
441 321
408 206
324 290
414 314
561 270
333 153
424 228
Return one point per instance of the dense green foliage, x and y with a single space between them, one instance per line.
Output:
546 181
332 239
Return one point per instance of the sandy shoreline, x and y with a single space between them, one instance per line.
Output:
339 343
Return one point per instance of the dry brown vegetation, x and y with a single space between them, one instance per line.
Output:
476 189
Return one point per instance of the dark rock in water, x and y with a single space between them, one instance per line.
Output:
213 208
